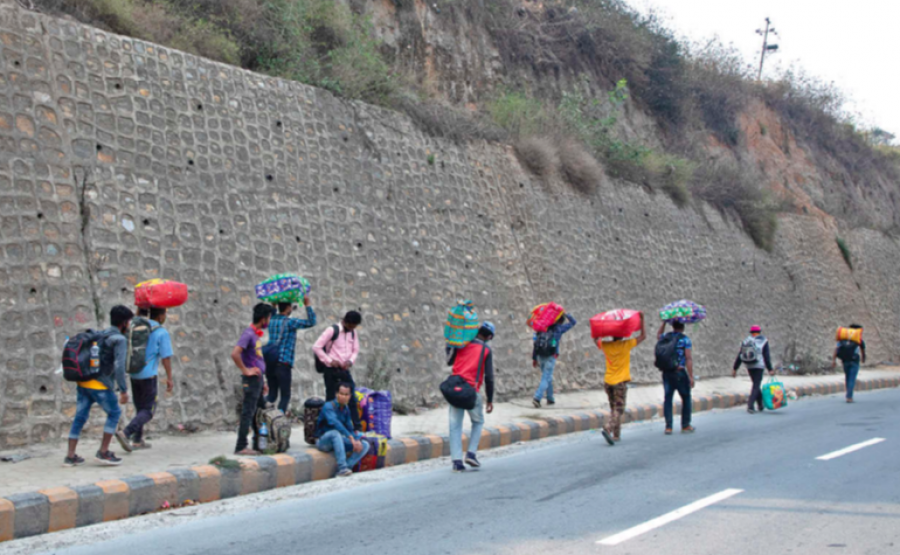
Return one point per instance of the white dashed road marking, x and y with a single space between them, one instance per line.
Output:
850 449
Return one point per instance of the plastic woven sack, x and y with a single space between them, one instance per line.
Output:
375 458
364 408
620 322
283 288
848 334
773 394
684 311
544 315
160 293
382 409
462 324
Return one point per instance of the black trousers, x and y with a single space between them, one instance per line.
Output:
335 377
252 387
144 393
756 374
279 380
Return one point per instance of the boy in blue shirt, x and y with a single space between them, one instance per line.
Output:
144 384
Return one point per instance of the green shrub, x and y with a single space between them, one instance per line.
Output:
736 190
845 251
519 114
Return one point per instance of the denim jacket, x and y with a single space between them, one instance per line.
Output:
335 417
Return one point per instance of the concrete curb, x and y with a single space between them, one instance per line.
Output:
61 508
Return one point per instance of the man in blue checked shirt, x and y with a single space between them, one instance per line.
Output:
283 338
544 355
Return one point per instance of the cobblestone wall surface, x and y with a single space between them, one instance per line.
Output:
122 161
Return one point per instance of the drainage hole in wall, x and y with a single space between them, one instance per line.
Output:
40 215
146 221
221 232
118 85
33 291
297 238
199 106
277 124
190 162
42 389
359 245
99 147
335 189
270 177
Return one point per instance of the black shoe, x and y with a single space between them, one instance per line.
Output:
73 461
536 403
607 436
751 411
458 466
551 403
109 458
472 461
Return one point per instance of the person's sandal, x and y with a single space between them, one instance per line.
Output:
247 452
607 436
688 430
668 431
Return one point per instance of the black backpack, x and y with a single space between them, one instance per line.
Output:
76 357
335 331
545 344
667 352
138 336
846 350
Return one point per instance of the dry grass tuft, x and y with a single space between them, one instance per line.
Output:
579 167
539 155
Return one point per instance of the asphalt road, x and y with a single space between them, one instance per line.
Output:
567 497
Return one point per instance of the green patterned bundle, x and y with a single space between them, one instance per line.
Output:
283 288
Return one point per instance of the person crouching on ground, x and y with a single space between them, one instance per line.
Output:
754 354
247 356
475 364
334 428
615 382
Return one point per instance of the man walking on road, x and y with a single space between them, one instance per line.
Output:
851 354
113 352
247 356
336 351
144 384
334 429
618 375
754 354
475 364
544 354
677 375
283 338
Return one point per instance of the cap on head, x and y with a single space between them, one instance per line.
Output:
755 329
487 328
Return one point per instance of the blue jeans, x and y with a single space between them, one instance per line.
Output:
107 401
547 365
476 415
677 381
340 445
851 370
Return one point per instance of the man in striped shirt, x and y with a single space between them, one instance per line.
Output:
283 333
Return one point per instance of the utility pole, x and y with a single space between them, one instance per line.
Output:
766 47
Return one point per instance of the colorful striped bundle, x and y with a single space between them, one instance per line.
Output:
462 324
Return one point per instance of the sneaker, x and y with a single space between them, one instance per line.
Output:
109 458
123 441
345 473
551 402
472 461
607 436
141 445
458 466
73 461
536 403
688 430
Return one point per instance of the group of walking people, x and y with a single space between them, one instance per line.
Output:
266 376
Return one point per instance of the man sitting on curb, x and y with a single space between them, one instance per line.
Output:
336 434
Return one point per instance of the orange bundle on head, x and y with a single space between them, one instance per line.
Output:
850 334
544 315
160 293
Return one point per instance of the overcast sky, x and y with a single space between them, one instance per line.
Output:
852 43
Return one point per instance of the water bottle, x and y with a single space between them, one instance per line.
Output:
263 436
95 355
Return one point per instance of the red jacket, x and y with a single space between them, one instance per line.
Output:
465 363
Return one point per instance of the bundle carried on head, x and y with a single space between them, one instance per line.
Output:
283 288
545 315
462 324
684 311
160 293
620 322
850 334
